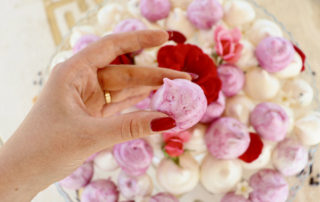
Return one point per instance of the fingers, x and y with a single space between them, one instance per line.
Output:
114 108
121 128
118 96
114 78
105 50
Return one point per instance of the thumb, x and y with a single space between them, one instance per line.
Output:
125 127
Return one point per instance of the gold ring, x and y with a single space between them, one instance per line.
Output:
107 96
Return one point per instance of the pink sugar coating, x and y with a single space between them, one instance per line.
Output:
215 109
79 178
155 10
227 138
270 121
232 79
134 157
100 191
129 25
84 41
163 197
268 185
232 197
291 155
274 54
182 100
203 14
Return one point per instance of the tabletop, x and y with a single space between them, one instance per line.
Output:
31 30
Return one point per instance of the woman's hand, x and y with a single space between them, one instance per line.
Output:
71 120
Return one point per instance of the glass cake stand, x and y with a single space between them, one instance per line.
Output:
296 182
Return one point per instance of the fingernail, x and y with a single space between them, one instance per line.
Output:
194 76
162 124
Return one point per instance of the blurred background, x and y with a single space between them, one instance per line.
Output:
30 31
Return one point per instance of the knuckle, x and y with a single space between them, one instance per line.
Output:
132 128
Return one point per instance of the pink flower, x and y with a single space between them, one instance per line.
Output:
228 44
174 147
184 136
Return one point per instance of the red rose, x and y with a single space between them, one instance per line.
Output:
302 55
125 59
174 147
190 58
254 150
228 44
176 36
184 136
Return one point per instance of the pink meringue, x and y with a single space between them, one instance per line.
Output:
227 138
290 157
84 41
270 121
232 197
182 100
134 157
79 178
155 10
163 197
232 79
129 25
275 53
100 191
203 14
145 104
215 109
268 185
131 187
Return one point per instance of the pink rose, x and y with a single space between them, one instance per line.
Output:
174 147
184 136
228 44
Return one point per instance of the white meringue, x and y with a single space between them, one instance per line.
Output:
133 8
204 39
196 144
183 4
177 20
178 179
147 58
307 129
219 176
248 58
105 161
262 160
263 28
239 107
291 117
111 14
60 57
296 93
238 13
78 32
261 85
292 70
156 142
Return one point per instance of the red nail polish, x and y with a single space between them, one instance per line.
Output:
162 124
194 76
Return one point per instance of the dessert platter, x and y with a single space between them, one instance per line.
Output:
247 124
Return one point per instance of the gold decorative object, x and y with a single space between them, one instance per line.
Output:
70 10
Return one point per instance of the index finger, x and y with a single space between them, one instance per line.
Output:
117 77
105 50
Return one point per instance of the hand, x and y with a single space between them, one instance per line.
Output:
70 121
